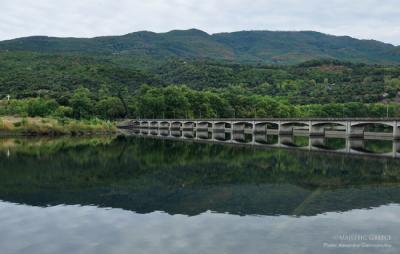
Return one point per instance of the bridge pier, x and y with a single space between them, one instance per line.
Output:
396 130
352 128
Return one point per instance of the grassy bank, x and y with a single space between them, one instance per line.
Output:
10 125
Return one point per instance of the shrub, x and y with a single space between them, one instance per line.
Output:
41 107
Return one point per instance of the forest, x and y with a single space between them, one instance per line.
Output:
115 87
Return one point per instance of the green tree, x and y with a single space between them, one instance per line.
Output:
41 107
81 103
110 108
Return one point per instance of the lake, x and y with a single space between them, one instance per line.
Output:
155 195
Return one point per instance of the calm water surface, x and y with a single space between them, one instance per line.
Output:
136 195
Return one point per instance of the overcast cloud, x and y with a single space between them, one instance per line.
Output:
366 19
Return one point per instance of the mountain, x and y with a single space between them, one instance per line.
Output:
268 47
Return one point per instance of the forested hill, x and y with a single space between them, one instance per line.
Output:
266 47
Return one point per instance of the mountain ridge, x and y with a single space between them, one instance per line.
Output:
257 46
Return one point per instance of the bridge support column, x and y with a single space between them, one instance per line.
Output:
396 130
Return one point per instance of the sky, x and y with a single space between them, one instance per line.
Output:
364 19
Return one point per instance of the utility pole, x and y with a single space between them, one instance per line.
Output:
387 110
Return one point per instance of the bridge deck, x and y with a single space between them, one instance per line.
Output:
372 119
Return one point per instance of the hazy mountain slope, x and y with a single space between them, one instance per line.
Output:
303 46
247 46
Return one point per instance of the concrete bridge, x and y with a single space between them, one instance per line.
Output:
315 127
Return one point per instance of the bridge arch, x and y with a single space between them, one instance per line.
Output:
242 125
204 125
222 125
319 128
189 125
176 125
358 129
287 128
144 124
263 126
164 125
154 124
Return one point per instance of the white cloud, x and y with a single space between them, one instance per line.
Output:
367 19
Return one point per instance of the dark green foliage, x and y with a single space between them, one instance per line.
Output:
145 175
41 107
246 46
110 108
113 86
81 103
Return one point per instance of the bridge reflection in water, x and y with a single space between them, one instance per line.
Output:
371 146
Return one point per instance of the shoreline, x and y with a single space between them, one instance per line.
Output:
15 126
